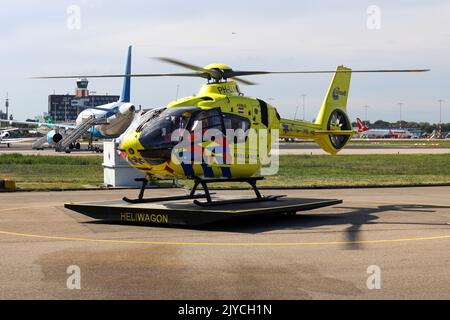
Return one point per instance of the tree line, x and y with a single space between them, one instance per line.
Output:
426 127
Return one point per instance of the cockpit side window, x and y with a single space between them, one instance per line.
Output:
234 122
208 119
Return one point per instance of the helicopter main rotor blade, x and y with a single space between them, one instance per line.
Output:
249 83
225 74
197 75
254 73
212 73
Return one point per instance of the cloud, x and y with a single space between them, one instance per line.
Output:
286 35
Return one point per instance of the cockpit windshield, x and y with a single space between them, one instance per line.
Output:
142 118
158 130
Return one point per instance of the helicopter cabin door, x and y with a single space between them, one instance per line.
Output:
212 143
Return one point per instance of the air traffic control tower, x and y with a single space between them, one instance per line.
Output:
82 88
65 108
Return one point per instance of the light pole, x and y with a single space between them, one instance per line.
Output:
53 112
65 110
401 113
365 114
441 101
91 99
7 106
304 106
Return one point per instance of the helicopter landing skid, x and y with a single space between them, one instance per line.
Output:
207 195
237 201
141 198
210 202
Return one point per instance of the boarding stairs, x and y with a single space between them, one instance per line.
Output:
39 144
78 132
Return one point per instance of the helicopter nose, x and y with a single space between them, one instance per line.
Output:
130 145
156 149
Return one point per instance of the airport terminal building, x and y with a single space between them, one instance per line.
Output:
66 108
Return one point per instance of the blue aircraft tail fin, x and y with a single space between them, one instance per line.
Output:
126 91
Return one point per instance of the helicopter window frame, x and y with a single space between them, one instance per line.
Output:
147 117
171 111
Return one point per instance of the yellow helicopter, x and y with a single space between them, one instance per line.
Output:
220 135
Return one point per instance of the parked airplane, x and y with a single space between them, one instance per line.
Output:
116 117
366 132
5 137
6 133
361 126
46 127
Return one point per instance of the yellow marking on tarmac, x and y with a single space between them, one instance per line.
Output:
224 244
409 204
25 208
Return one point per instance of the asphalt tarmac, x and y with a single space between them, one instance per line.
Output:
323 254
27 150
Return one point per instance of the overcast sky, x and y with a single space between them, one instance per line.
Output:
42 38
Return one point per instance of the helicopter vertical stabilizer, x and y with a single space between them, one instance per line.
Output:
333 114
336 98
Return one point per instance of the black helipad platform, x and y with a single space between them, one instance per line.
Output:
185 213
